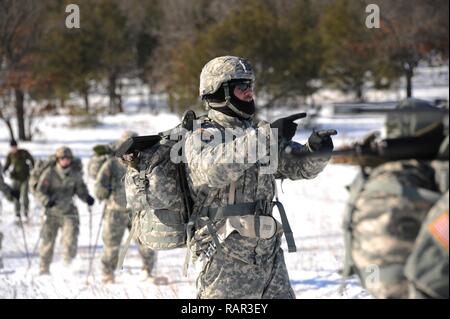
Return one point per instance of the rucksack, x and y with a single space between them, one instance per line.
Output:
159 223
40 166
101 154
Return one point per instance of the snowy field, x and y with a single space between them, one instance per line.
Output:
314 209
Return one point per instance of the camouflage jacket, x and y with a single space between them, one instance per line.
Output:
60 187
212 170
21 162
109 184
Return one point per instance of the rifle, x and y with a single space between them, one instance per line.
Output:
374 110
424 147
136 144
186 123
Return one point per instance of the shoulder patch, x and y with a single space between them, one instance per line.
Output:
439 229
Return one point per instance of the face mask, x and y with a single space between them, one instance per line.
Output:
243 106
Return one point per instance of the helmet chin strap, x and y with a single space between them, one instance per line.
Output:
229 104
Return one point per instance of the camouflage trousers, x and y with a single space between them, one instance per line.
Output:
246 268
70 230
114 226
22 187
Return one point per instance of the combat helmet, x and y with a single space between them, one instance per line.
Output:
220 72
420 117
125 136
63 151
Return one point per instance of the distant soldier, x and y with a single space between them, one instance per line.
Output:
55 190
388 203
110 187
21 162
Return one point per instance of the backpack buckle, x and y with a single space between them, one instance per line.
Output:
211 250
143 182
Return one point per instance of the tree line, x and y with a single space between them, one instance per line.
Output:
296 47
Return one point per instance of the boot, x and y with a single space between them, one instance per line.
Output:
67 261
108 279
26 218
44 268
156 280
44 271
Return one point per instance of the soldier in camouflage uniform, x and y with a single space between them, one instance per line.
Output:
239 244
387 206
55 190
21 162
110 187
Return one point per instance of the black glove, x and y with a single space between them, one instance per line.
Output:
321 140
15 193
286 126
50 203
90 200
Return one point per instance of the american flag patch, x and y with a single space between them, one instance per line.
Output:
439 229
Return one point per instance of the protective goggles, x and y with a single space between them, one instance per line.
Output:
243 86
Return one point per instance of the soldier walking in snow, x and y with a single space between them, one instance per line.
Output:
56 187
109 186
21 162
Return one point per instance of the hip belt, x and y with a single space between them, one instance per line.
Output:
242 218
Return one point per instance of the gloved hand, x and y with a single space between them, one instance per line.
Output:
50 203
286 126
15 193
321 140
90 200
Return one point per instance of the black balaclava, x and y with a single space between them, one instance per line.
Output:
219 97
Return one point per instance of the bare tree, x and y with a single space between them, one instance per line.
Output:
412 31
19 35
6 113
